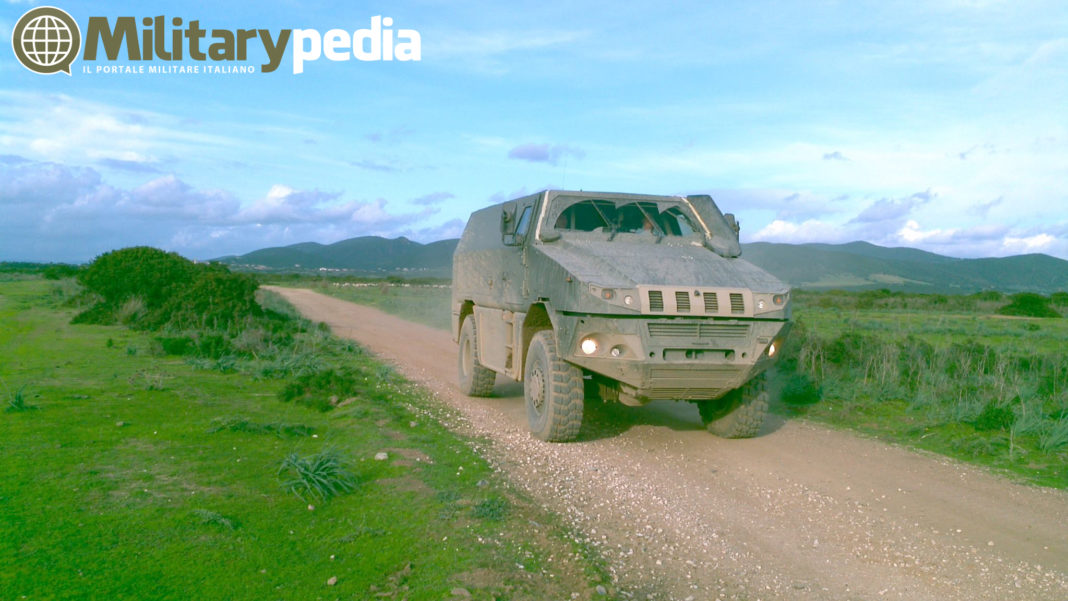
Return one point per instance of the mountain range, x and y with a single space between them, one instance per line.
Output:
852 266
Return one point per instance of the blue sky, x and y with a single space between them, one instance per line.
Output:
940 125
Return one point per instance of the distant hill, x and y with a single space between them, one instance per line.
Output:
366 255
860 265
852 266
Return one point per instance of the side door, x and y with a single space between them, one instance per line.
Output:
496 324
513 268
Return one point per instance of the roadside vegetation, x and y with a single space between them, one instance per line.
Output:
424 301
981 377
963 376
188 436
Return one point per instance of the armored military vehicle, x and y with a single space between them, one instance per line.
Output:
628 297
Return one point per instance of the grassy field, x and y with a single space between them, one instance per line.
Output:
126 473
427 304
941 373
944 374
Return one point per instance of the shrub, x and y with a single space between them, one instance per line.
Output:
1056 436
799 389
322 389
152 289
320 476
1059 299
215 299
1029 304
213 518
994 418
493 509
59 271
16 402
149 273
240 424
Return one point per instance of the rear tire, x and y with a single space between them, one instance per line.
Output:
475 380
739 414
553 389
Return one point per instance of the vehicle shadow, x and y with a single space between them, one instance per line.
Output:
608 419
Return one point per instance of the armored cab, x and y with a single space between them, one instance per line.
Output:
630 297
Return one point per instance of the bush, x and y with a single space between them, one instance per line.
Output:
215 300
321 390
799 389
994 418
1059 299
59 271
152 289
320 476
1029 304
139 271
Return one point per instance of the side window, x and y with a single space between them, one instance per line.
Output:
522 225
524 222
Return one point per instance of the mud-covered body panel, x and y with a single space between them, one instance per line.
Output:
669 314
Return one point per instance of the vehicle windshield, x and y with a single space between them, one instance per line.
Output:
657 218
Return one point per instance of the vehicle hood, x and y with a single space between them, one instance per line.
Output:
623 264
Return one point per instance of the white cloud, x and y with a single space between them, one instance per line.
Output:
58 127
1031 244
58 213
811 230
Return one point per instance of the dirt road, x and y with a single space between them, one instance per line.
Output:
800 512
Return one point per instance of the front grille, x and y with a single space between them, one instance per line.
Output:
737 303
688 372
685 394
698 330
656 300
682 301
711 302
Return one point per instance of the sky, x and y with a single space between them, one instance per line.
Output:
940 125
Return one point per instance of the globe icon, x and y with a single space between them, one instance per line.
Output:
47 41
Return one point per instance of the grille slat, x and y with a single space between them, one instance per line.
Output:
656 300
698 330
737 303
682 301
711 302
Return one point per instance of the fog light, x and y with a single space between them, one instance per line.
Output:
760 304
628 300
589 346
616 351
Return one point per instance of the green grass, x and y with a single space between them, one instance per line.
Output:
148 476
427 304
937 373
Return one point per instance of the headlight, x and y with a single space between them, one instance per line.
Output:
772 349
589 346
621 297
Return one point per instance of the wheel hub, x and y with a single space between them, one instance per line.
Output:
537 389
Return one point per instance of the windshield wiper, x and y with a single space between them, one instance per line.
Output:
608 224
658 231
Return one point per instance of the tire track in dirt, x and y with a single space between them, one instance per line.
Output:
798 512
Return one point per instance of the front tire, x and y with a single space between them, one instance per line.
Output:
475 380
554 391
739 414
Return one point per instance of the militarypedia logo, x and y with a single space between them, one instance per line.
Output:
46 40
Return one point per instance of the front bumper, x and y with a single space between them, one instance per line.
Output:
680 359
